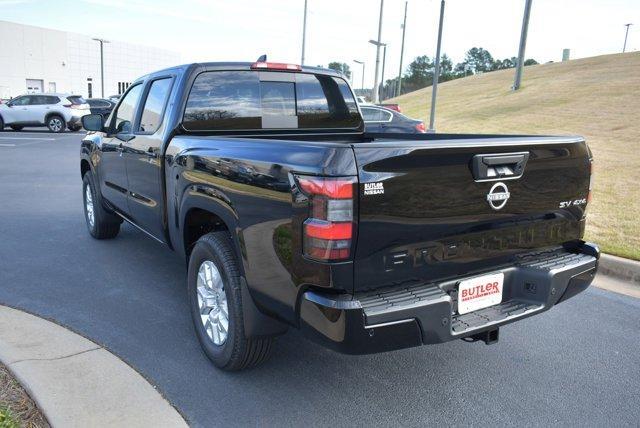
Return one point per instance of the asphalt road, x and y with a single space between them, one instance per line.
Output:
577 364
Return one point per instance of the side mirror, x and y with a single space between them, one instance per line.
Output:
93 122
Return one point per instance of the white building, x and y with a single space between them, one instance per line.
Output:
35 59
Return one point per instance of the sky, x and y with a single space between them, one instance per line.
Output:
339 30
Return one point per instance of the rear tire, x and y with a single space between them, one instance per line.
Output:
16 127
56 123
1 124
213 285
101 223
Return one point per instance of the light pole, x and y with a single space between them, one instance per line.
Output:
523 43
378 44
404 28
304 31
436 73
624 47
361 63
102 42
384 60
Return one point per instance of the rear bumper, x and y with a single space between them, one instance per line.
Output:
426 313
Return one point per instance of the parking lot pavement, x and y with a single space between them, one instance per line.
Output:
574 365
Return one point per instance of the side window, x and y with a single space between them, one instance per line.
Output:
123 119
154 105
34 100
52 100
224 100
374 114
369 114
385 116
20 101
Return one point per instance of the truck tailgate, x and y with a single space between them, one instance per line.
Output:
441 208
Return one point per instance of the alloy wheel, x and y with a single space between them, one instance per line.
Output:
212 301
88 203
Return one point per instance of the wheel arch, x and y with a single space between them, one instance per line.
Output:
200 213
54 113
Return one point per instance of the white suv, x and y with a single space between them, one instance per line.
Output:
55 111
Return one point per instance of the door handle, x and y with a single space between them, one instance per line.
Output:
499 166
151 153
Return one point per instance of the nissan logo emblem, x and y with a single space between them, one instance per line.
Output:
498 196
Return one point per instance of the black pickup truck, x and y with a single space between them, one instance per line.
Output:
289 215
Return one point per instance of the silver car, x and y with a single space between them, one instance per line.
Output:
55 111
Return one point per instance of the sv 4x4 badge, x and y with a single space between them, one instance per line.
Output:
498 196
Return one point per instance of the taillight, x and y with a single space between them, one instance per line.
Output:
275 66
75 106
420 127
329 229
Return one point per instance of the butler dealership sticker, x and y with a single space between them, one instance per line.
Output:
373 189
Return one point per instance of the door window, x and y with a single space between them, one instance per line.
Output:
375 115
154 105
123 119
20 101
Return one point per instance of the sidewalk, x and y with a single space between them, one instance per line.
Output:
75 382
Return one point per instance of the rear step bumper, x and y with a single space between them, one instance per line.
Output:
426 313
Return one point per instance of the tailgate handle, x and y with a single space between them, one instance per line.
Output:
499 166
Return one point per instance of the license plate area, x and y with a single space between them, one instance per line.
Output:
480 292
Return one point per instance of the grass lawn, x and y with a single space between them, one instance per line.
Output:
598 98
17 409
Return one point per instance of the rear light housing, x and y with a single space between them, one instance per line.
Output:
275 66
420 128
328 231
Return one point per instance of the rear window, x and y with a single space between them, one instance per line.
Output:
76 99
247 100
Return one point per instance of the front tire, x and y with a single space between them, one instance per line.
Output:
75 128
215 298
101 223
56 123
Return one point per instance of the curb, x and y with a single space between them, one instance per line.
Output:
74 381
620 268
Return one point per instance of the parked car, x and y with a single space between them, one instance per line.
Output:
391 106
380 119
101 106
288 215
55 111
114 98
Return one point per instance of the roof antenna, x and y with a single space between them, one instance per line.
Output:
262 58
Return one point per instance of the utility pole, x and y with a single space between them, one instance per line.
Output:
523 43
384 60
436 73
361 63
624 48
404 28
375 78
304 31
102 42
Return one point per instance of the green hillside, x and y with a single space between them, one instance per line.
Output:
596 97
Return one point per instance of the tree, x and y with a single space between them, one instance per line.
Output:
477 60
505 63
341 67
530 61
446 68
419 74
